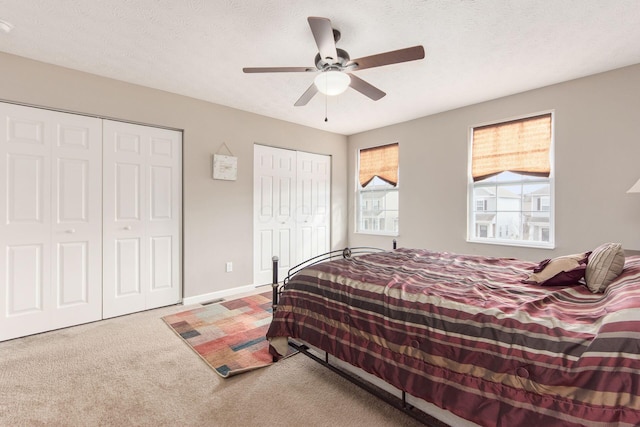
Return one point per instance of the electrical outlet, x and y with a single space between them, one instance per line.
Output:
229 266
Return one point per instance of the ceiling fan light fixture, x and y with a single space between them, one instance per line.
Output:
332 82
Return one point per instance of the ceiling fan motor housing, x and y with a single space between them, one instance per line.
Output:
339 63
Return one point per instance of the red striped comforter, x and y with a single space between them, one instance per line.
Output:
463 333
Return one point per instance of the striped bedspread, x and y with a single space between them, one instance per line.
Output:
463 333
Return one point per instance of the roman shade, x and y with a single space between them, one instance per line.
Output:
381 162
522 146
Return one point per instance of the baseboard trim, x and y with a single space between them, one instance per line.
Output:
199 299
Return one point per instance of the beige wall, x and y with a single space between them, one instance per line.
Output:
597 158
218 215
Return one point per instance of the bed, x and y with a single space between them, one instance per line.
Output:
465 334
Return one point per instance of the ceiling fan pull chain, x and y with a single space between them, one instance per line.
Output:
325 108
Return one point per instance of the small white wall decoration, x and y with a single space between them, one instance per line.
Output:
225 167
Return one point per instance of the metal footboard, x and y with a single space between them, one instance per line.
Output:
399 403
345 253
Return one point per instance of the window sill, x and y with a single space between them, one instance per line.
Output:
519 243
378 233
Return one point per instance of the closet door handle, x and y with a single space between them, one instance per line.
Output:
128 227
71 230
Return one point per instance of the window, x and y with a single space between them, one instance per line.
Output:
481 205
377 209
511 186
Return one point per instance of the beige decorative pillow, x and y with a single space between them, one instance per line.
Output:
606 262
561 271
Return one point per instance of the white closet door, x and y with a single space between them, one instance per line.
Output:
313 214
142 201
77 220
50 226
292 214
274 217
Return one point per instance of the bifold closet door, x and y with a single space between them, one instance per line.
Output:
50 227
292 215
142 199
313 202
274 193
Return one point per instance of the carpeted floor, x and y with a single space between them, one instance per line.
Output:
132 370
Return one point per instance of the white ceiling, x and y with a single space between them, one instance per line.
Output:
476 50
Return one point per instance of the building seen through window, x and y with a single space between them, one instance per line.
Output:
510 206
378 207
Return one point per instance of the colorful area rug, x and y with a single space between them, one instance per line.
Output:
230 335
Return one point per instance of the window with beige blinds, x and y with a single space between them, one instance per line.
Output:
520 146
511 185
378 197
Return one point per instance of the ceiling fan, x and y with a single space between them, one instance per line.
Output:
335 66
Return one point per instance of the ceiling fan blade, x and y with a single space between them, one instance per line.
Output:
388 58
278 69
323 34
365 88
307 95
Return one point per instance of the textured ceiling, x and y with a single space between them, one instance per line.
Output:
475 50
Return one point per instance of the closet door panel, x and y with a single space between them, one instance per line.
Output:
76 205
25 229
265 245
27 194
124 271
305 242
73 191
312 205
127 197
142 217
161 265
274 211
160 192
50 225
127 268
164 200
72 281
25 280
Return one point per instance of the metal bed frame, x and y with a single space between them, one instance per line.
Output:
399 403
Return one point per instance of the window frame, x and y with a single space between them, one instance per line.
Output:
358 198
524 180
